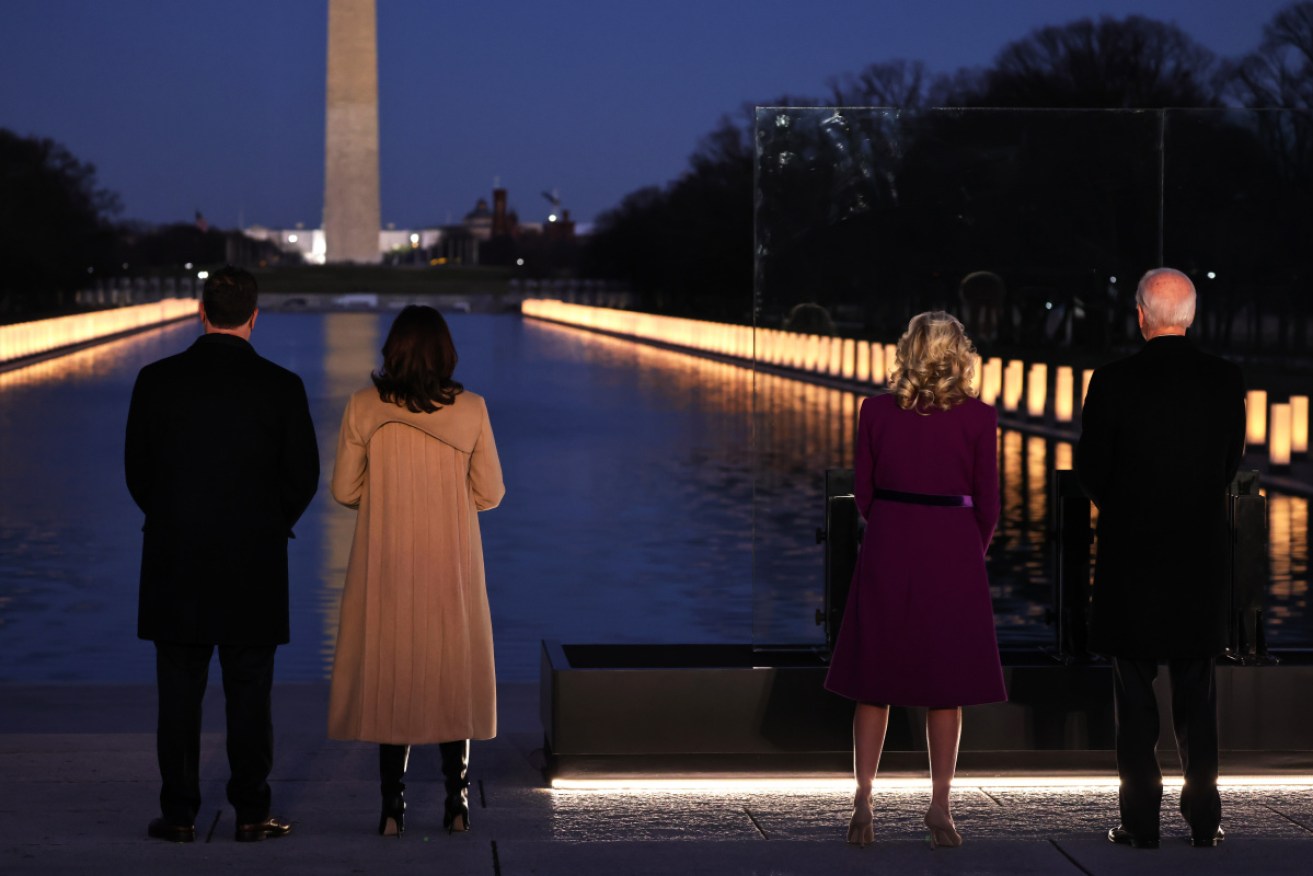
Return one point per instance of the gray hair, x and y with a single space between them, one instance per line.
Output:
1165 314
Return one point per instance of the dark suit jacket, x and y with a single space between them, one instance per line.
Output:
221 455
1163 434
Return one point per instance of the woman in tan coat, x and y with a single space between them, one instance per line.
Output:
414 659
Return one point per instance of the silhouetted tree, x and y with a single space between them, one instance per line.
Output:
687 248
1111 63
54 221
899 83
168 248
1270 246
629 241
1279 73
175 245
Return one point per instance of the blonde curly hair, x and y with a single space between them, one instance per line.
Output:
935 364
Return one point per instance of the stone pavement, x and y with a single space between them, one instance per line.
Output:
78 783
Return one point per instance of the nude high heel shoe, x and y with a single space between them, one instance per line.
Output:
942 832
861 829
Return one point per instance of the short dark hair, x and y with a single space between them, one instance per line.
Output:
418 360
229 297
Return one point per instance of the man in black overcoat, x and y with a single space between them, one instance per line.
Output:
1162 437
222 458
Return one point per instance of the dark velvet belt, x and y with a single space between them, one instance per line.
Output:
923 498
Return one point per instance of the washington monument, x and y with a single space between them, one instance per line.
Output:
351 203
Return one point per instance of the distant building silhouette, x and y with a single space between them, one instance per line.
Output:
487 235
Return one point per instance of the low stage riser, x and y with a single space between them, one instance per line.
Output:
677 703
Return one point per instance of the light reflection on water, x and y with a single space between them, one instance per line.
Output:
629 515
70 536
1288 527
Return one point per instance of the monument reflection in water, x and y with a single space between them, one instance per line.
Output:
629 515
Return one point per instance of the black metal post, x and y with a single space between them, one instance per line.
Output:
841 537
1071 585
1247 511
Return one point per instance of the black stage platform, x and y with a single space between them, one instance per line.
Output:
622 708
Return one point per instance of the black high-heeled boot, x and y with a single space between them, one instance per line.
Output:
392 772
455 769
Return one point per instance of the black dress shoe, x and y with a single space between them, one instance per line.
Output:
270 828
174 833
1207 840
1124 837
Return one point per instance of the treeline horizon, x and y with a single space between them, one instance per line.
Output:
684 246
900 206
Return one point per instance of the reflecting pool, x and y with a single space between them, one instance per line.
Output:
629 513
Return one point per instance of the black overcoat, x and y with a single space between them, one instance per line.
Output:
1163 433
221 455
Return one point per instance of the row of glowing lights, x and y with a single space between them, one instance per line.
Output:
1283 427
43 335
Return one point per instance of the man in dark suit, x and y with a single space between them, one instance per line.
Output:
1162 437
222 458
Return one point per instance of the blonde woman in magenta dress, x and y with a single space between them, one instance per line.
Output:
918 629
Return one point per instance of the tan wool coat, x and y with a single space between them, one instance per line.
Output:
414 661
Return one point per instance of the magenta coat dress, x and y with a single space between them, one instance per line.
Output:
918 629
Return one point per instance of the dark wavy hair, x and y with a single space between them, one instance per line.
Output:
418 360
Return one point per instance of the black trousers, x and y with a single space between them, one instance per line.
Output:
1194 718
181 673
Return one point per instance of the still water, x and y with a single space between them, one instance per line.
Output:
629 515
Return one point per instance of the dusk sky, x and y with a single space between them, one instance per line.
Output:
218 106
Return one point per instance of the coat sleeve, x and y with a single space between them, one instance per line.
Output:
864 461
352 462
485 469
136 445
984 486
300 457
1094 449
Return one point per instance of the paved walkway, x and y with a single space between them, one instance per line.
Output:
78 784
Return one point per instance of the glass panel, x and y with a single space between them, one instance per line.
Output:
1238 217
1033 226
1029 224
